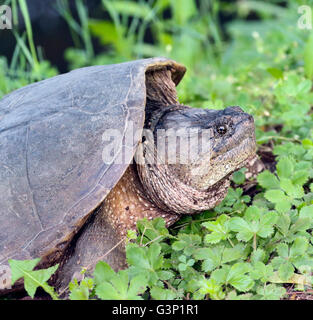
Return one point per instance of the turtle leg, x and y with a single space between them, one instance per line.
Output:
103 235
96 241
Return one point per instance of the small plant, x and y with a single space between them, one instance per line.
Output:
32 278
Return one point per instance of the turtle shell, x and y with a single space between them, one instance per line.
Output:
52 173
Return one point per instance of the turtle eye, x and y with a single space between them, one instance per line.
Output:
221 129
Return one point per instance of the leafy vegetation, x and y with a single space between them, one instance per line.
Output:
255 245
32 278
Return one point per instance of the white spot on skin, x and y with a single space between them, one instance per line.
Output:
126 194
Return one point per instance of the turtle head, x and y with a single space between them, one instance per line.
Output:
189 154
217 143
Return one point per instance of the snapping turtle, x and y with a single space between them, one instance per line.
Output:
69 188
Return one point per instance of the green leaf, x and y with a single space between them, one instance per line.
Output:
234 253
80 291
151 230
270 292
242 227
103 272
275 196
218 228
158 293
266 224
145 261
234 296
304 87
137 286
268 180
283 206
257 255
282 202
307 212
300 177
252 213
131 235
302 224
285 167
122 287
299 247
239 177
182 259
237 276
178 245
294 191
286 270
283 224
106 291
220 275
154 256
283 250
137 256
210 286
261 271
165 275
187 242
32 279
276 73
212 257
18 268
214 237
286 185
242 283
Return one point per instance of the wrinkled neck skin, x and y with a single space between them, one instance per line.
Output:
173 195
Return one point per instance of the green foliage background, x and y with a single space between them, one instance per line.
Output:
249 247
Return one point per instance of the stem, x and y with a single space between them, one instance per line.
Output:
254 242
83 17
170 286
143 233
231 243
29 31
155 239
103 256
189 222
